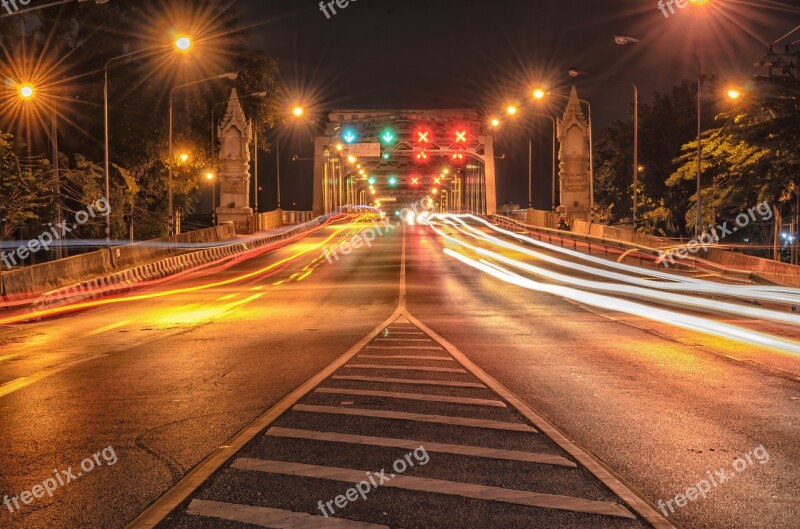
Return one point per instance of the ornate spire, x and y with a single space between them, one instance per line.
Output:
573 110
234 117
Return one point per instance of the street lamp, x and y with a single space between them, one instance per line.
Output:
27 92
228 75
731 93
183 44
734 93
574 72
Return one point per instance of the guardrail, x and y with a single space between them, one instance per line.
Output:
625 249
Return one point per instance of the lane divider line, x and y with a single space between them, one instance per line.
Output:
414 381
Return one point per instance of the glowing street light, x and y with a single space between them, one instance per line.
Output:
184 44
495 122
351 159
183 157
511 110
538 93
298 111
26 91
733 93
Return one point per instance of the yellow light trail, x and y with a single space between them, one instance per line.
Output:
138 297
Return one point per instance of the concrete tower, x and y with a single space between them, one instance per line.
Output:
575 160
234 135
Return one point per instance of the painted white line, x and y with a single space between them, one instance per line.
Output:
272 518
413 396
461 450
199 474
405 347
388 380
438 486
403 333
418 417
615 483
405 368
404 339
409 357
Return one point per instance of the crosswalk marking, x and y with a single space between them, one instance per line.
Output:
406 347
418 417
461 450
409 357
437 486
412 381
273 518
405 368
403 340
413 396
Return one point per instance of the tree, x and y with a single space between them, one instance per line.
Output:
752 156
21 191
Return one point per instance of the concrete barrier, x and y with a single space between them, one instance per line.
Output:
72 270
46 276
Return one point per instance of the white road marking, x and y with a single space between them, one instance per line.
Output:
408 357
413 396
272 518
419 417
461 450
405 368
447 383
437 486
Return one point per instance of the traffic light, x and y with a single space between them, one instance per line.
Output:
392 181
349 136
414 181
387 137
461 136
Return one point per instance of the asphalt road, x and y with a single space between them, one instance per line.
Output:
167 379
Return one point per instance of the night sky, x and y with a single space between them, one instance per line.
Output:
472 54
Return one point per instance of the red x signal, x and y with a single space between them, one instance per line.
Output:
461 136
423 136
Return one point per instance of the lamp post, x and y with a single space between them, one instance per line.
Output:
537 94
622 40
183 44
697 228
171 213
27 92
574 72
